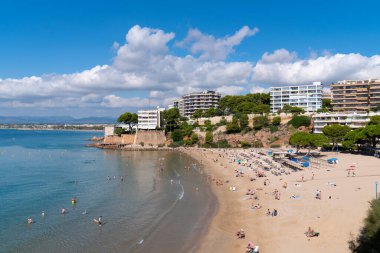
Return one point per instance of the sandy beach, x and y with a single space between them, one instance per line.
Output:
337 215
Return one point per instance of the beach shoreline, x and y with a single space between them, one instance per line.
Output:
337 216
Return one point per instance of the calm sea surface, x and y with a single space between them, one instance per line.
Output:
156 208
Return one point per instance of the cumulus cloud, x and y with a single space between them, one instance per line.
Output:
144 64
212 48
230 90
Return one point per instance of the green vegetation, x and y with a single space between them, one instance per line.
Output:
245 144
171 119
292 109
118 131
276 121
307 140
212 112
233 126
250 103
369 239
129 119
177 135
243 121
273 128
197 114
209 139
194 138
335 133
298 121
260 122
222 144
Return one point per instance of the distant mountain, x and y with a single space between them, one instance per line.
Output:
55 120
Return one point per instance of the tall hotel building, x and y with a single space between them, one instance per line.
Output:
356 95
307 97
197 101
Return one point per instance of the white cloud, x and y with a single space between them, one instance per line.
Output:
212 48
327 68
279 56
258 89
114 101
145 65
230 90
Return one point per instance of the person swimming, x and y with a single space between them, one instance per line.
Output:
43 213
30 220
63 211
99 221
85 212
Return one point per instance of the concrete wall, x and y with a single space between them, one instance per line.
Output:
124 139
153 137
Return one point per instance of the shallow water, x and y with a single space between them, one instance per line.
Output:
156 208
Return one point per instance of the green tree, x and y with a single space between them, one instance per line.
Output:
171 118
244 121
276 121
335 133
233 126
292 109
261 109
326 104
129 119
244 104
374 120
118 131
197 114
186 129
353 139
298 121
368 240
315 141
372 132
209 139
299 140
194 138
177 135
259 122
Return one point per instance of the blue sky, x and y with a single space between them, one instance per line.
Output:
39 38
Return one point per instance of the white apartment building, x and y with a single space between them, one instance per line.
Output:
354 120
197 101
150 119
307 97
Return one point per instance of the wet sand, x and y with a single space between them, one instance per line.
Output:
337 219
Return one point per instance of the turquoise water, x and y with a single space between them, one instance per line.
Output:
156 208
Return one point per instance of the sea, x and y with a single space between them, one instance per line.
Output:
150 201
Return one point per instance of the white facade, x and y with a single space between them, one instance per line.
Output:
204 100
109 130
354 120
149 119
307 97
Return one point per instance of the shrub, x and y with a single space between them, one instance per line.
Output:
177 135
298 121
209 139
142 144
223 144
276 121
257 144
369 239
245 144
273 139
119 131
275 145
260 122
273 128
